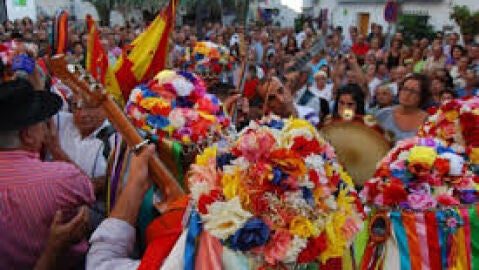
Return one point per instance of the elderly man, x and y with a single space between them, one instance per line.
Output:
31 191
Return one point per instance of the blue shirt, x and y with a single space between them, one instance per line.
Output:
461 92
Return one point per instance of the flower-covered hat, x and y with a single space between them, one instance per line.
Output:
208 59
438 168
277 193
175 105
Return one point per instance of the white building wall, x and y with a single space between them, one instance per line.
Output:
15 11
347 14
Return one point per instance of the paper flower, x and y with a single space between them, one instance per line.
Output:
286 178
225 218
175 105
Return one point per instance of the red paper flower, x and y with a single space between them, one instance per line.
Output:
447 200
313 176
313 249
442 166
207 199
305 147
394 193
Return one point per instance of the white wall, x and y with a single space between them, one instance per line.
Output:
18 12
347 14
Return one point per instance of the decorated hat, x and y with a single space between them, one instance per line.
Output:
208 59
175 105
276 195
438 168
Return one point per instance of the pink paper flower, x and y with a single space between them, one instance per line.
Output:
277 246
421 201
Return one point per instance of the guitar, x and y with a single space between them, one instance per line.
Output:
84 85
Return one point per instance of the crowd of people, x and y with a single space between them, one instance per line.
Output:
54 152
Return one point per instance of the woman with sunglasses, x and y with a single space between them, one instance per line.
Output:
403 120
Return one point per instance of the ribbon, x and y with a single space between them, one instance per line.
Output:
209 253
409 222
458 257
474 223
467 236
177 149
433 243
194 230
440 215
146 215
392 254
402 240
422 240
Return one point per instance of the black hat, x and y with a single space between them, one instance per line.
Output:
21 106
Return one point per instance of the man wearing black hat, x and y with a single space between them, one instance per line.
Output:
31 190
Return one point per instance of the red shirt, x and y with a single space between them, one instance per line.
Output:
31 191
361 50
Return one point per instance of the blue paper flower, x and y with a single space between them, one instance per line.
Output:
187 75
157 121
276 124
253 234
308 195
278 176
224 159
184 102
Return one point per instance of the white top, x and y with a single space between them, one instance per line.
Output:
326 92
86 152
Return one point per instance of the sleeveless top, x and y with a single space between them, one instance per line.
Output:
385 118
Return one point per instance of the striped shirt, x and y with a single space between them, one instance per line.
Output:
30 192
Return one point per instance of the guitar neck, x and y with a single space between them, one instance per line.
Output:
159 172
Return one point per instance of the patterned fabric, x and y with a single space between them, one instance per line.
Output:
30 193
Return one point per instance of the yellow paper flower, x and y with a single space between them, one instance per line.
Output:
345 176
207 116
208 155
451 115
302 227
336 242
165 75
225 218
422 154
295 123
154 102
474 156
231 184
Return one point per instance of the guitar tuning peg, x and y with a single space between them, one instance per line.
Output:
95 87
87 78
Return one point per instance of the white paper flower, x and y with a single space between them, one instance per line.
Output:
183 87
177 120
296 245
199 188
135 95
225 218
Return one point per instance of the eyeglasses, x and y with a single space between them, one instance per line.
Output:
411 91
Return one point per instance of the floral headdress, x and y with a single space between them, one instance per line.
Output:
208 58
439 168
277 193
175 105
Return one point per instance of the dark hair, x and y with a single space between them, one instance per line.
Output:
463 51
423 86
356 92
448 91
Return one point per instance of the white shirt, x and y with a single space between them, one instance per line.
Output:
326 92
86 152
372 86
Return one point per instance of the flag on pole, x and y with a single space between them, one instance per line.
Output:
97 62
148 53
60 32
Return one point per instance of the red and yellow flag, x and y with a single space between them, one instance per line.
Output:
97 62
148 53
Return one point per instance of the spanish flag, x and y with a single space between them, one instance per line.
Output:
147 54
97 62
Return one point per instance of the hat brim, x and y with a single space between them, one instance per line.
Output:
43 105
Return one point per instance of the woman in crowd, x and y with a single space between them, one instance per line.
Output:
349 102
403 120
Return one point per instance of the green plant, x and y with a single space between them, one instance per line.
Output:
466 19
415 27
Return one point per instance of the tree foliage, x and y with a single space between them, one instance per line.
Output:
415 27
104 7
466 19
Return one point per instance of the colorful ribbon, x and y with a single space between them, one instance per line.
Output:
474 223
194 230
400 232
433 243
422 240
409 222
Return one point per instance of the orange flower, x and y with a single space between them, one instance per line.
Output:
288 161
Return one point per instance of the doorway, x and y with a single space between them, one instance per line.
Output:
363 25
